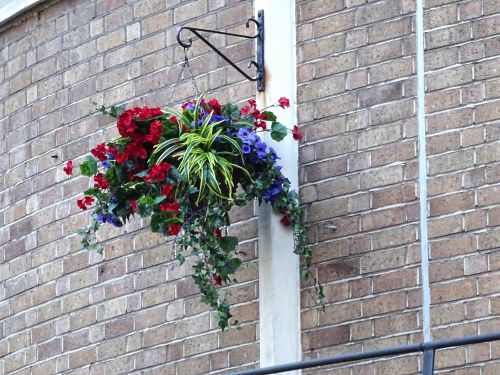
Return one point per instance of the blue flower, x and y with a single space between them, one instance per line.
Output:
190 107
217 118
244 135
101 218
273 154
260 148
114 220
274 190
246 149
106 165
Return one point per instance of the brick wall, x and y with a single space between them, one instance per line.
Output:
462 106
359 176
62 309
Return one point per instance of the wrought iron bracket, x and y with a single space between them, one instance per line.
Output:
259 37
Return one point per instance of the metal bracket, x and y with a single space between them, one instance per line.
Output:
259 64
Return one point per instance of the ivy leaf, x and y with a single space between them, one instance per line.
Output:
113 111
229 243
144 211
231 110
270 116
181 258
278 131
233 265
89 167
91 191
146 201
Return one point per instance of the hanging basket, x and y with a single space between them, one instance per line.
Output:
185 170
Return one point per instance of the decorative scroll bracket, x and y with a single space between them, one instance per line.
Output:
259 64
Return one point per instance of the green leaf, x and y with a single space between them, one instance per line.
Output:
231 110
91 191
270 116
146 201
228 243
278 131
180 258
113 111
89 167
160 199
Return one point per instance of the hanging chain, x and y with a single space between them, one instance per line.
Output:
185 65
193 81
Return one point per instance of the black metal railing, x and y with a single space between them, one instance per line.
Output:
428 348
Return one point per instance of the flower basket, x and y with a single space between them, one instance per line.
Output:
184 170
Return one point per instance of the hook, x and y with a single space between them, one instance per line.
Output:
257 23
254 64
185 44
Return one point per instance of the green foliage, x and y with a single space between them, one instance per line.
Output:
113 111
231 111
88 167
278 131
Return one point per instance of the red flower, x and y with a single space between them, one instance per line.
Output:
215 106
158 172
133 205
245 110
135 149
126 125
174 206
218 233
121 157
297 135
167 189
174 229
285 220
100 181
84 202
252 103
217 280
68 169
155 132
99 152
283 102
173 119
146 112
260 124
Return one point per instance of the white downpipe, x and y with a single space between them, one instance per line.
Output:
279 282
422 172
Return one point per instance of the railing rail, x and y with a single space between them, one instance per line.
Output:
428 348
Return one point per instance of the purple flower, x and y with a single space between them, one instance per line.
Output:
190 107
246 149
215 118
106 165
244 135
274 190
114 220
260 149
273 154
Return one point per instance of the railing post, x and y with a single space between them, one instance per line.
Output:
428 361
